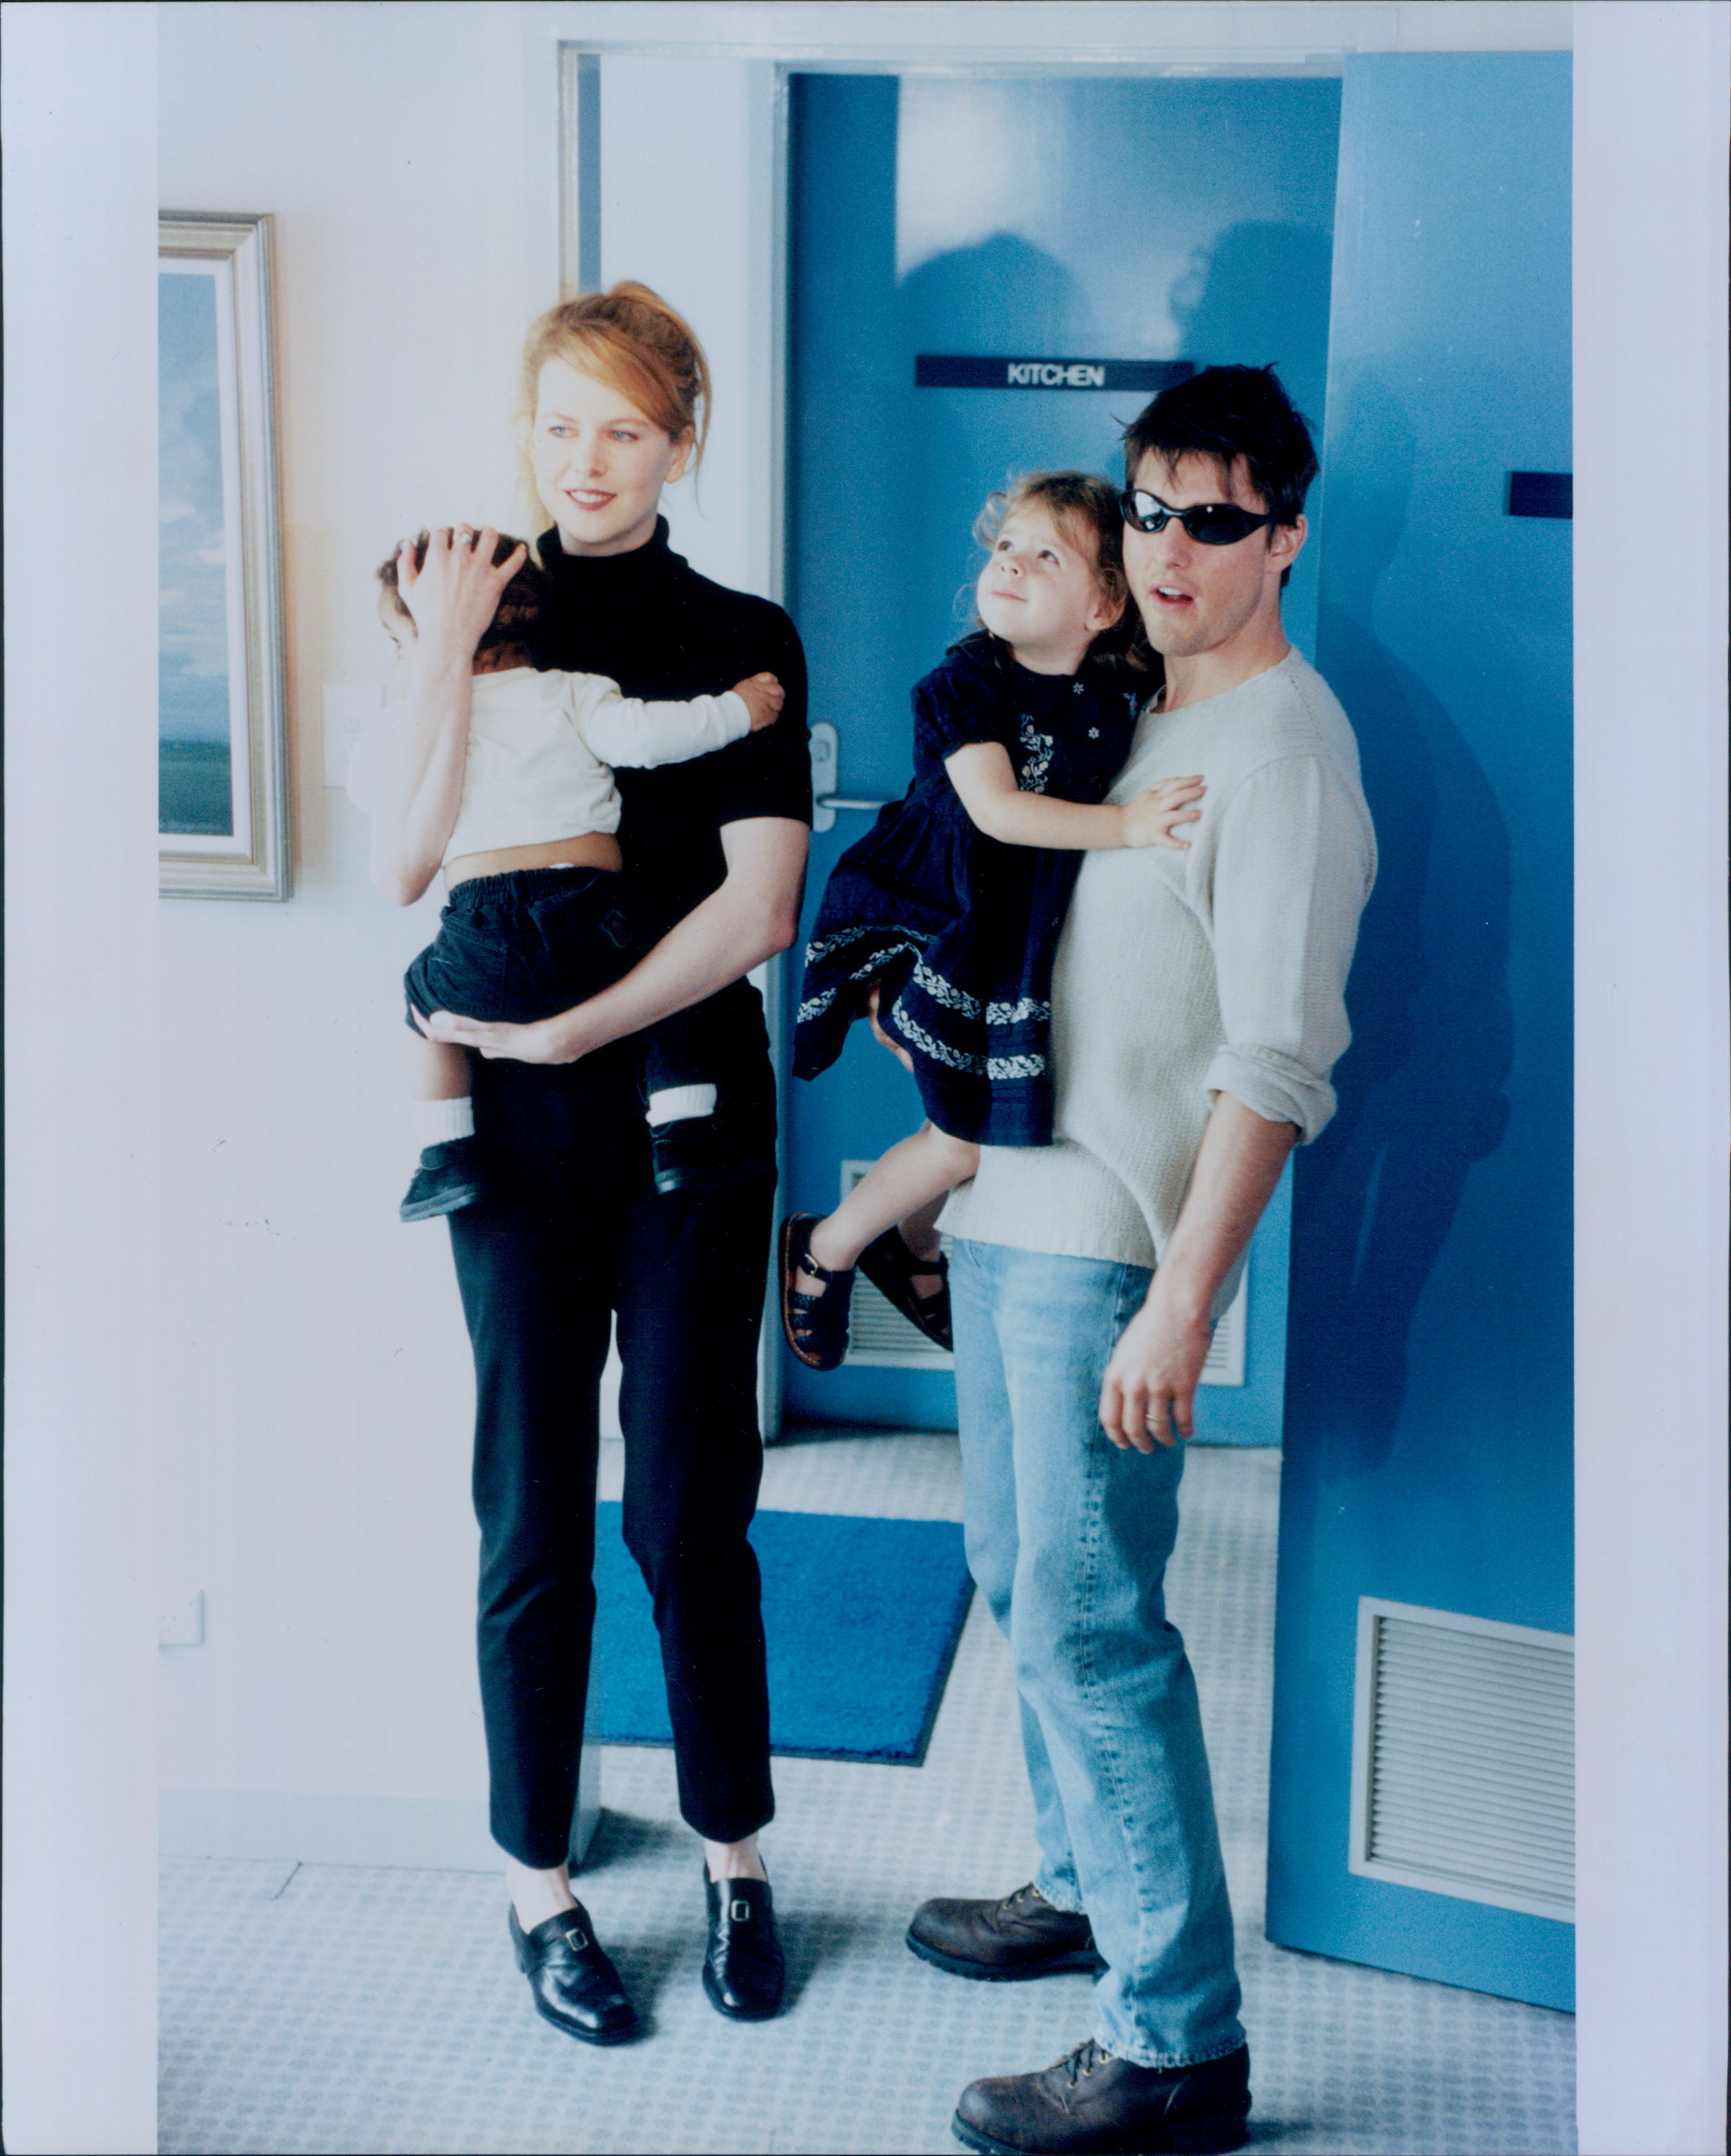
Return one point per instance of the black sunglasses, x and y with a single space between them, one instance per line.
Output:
1209 524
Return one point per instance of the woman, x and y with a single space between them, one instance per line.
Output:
580 1222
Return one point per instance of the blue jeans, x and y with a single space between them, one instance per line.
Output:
1068 1538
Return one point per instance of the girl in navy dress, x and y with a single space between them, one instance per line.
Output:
940 926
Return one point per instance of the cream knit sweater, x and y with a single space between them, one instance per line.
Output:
1179 975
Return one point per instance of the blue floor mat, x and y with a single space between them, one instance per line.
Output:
862 1617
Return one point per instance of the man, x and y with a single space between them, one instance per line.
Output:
1197 1009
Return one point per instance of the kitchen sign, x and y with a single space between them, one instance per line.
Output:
967 371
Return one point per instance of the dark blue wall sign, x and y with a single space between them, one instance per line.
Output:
1541 494
936 370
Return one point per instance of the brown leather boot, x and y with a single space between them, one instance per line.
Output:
1092 2104
1021 1936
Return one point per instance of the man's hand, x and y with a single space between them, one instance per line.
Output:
547 1041
1149 1395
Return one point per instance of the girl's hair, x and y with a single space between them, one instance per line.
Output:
633 340
520 603
1085 508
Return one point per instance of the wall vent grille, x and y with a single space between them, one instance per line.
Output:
1463 1757
880 1337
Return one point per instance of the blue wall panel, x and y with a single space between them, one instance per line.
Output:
1114 218
1428 1430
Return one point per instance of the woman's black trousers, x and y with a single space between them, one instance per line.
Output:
573 1232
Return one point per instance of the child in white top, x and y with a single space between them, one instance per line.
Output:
533 924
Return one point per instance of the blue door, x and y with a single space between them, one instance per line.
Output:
1420 1789
1038 219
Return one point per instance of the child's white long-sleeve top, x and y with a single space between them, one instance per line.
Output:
541 750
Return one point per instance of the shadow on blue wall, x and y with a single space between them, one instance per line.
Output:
1421 1089
1235 306
1260 296
1003 295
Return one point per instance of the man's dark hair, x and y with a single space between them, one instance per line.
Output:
520 603
1226 413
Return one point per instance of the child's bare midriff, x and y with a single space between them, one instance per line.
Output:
589 849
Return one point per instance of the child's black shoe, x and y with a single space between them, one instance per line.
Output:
692 1154
448 1178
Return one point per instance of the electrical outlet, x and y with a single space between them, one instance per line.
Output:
182 1625
346 712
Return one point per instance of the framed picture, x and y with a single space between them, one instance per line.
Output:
223 816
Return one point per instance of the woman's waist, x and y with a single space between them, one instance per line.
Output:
585 849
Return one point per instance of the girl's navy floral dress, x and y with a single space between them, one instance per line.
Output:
960 928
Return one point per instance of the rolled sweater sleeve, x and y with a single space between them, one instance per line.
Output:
1293 867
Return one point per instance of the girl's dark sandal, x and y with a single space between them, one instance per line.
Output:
892 1269
815 1325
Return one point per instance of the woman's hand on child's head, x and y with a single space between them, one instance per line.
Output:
762 696
454 592
1151 817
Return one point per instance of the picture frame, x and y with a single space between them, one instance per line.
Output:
222 812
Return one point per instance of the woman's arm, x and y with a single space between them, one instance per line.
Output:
452 598
752 914
985 781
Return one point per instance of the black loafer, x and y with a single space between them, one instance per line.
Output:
743 1968
576 1987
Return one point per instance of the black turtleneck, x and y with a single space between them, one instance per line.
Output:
647 620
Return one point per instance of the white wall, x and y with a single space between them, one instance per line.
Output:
1650 1105
79 1799
316 1394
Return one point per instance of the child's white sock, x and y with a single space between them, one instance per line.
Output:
437 1123
674 1104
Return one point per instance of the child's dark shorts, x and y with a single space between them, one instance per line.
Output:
522 946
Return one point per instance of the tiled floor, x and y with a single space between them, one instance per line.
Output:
325 2008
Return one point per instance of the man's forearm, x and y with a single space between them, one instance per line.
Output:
1237 1166
1149 1394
